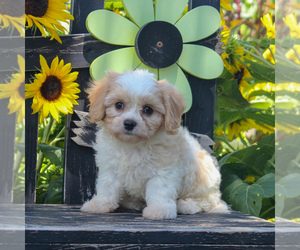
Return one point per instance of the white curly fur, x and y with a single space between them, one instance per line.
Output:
157 166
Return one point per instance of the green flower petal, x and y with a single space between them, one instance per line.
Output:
169 10
112 28
151 70
199 23
140 12
118 60
200 61
175 76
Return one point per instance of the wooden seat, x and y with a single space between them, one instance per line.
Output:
66 226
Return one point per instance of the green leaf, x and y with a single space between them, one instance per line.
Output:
291 184
267 183
231 172
286 73
229 94
54 154
260 71
289 119
256 156
54 192
287 152
226 193
270 95
280 199
247 198
228 116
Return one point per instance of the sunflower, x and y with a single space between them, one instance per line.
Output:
12 16
269 53
294 26
270 26
14 90
158 39
47 13
236 127
237 69
293 54
53 90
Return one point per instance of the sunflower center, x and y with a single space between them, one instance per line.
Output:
21 90
51 88
12 8
37 8
158 44
239 76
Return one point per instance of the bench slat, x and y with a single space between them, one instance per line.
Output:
65 224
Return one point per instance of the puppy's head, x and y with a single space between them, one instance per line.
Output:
134 106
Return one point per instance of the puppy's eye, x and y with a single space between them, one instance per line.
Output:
119 105
148 110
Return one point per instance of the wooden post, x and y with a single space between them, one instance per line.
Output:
80 171
200 118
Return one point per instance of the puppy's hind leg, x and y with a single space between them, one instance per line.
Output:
188 206
194 206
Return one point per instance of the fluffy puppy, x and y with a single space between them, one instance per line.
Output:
145 159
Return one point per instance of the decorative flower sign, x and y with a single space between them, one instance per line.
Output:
158 41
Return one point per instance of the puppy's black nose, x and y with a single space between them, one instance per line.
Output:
129 124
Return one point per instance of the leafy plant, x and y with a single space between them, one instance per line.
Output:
50 161
249 178
244 116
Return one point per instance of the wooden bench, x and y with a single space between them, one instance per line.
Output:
64 226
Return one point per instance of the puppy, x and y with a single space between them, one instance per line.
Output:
145 159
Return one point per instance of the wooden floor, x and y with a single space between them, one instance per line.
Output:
66 227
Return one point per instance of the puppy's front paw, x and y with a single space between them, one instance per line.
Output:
162 212
97 206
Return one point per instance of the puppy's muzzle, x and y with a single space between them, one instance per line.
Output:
129 125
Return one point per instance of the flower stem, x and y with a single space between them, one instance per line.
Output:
45 138
267 211
57 138
261 59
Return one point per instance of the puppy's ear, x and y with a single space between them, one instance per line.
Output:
174 106
97 91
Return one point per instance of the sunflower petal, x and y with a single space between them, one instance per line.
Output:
61 107
41 117
118 60
46 109
40 27
120 32
176 77
65 69
54 65
44 65
70 77
174 8
193 26
21 63
140 12
54 111
200 61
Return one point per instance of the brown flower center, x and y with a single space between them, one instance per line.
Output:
239 76
51 88
21 90
12 8
37 8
